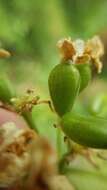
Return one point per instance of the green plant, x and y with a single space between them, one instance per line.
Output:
64 84
90 131
66 81
85 73
6 88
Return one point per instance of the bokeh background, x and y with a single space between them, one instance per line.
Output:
30 31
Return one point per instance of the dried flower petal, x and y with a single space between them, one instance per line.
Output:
66 48
14 156
79 51
4 53
82 59
25 158
43 164
95 49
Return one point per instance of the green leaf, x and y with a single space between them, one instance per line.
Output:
85 180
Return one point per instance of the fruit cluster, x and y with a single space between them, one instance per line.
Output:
67 80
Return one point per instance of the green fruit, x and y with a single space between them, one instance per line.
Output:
64 83
85 73
6 90
89 131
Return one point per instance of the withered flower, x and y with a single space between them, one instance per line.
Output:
4 53
25 159
14 158
79 51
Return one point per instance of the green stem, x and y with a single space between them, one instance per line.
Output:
59 143
28 117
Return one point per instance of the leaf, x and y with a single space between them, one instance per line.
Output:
86 180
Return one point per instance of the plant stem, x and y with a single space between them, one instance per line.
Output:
59 143
28 117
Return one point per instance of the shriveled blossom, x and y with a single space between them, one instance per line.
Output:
4 53
14 158
26 160
79 51
25 102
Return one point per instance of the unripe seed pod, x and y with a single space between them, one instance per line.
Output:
89 131
64 84
6 90
85 73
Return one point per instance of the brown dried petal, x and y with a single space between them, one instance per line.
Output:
95 49
21 144
79 51
4 53
98 64
14 168
82 59
25 158
66 48
43 164
14 154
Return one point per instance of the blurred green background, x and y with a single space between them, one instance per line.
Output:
30 31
